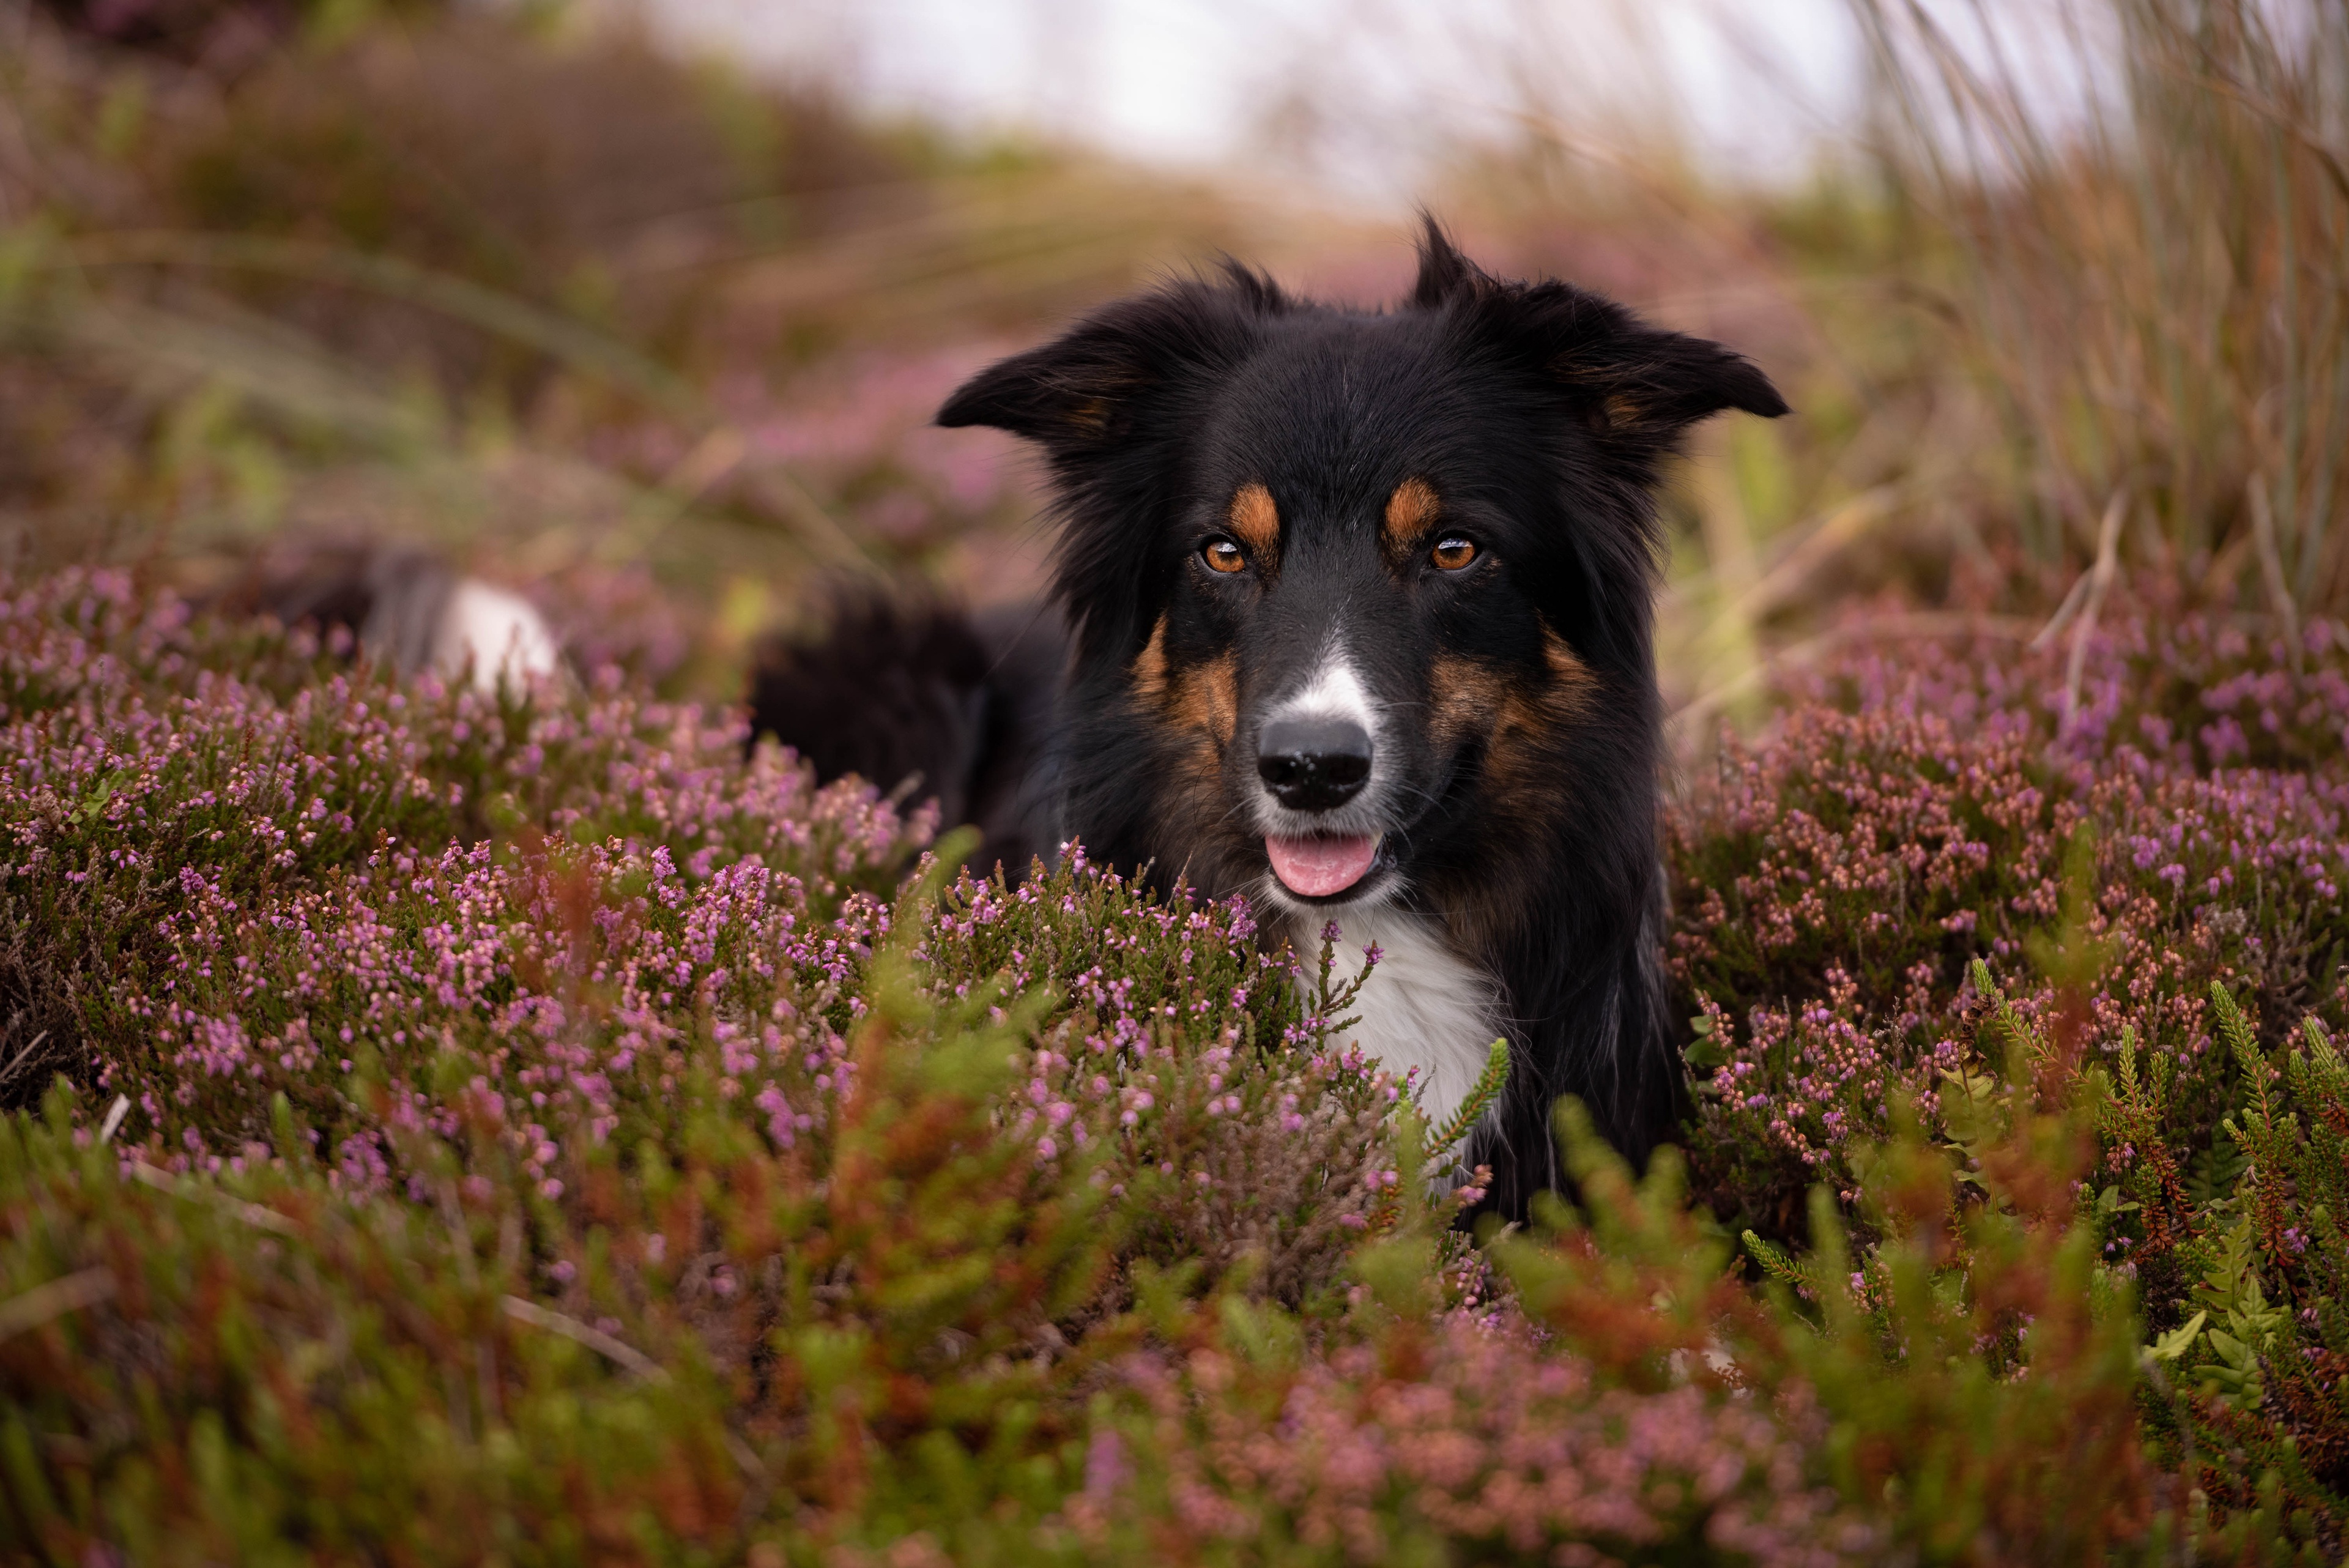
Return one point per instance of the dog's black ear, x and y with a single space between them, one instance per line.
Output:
1623 378
1061 395
1443 273
1634 385
1080 391
1631 379
1637 387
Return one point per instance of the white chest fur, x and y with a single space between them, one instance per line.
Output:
1423 1007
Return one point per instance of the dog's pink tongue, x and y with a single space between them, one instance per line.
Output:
1317 867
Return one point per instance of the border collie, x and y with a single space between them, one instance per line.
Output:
1358 610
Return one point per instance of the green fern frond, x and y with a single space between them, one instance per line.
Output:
1777 1263
2005 1023
2323 1066
2236 1030
2259 1134
1772 1258
1481 1098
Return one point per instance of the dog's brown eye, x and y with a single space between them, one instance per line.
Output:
1451 553
1222 555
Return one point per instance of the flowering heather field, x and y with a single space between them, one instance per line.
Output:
458 1130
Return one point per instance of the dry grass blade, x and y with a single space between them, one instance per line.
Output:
278 367
2100 581
18 1060
251 1214
637 1361
638 1364
2263 543
559 337
1815 548
42 1302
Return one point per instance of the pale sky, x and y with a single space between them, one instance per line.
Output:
1754 85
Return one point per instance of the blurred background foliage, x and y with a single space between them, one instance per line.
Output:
662 336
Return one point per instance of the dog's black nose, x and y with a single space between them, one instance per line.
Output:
1313 764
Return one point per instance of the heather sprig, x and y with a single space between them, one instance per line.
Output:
1445 1138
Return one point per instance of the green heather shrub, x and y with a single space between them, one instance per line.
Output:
529 1131
2256 1401
1865 888
1916 815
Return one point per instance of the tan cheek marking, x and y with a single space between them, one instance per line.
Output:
1203 699
1150 665
1207 699
1574 676
1524 739
1463 697
1256 523
1524 776
1410 510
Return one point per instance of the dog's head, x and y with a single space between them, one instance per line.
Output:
1378 586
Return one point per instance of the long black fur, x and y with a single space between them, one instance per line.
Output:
1540 414
920 697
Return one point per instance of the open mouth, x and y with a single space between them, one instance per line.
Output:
1322 867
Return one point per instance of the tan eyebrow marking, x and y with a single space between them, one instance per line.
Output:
1256 523
1410 509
